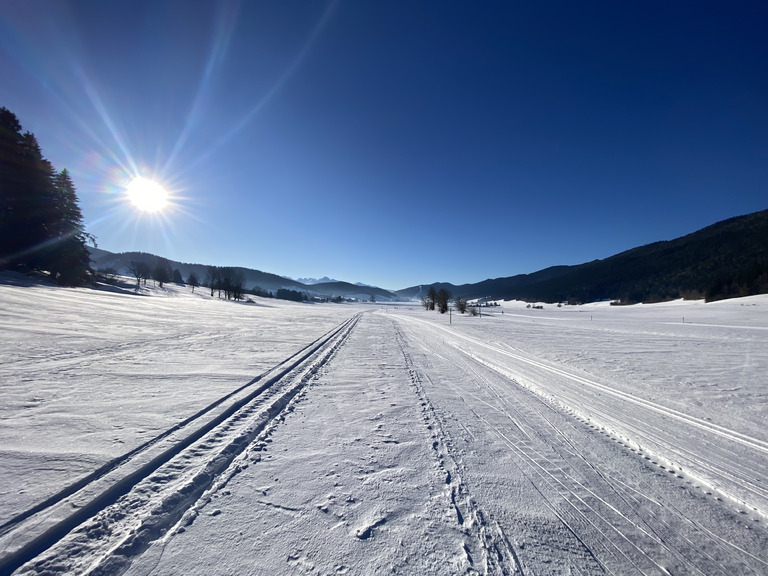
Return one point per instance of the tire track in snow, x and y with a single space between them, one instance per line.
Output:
136 497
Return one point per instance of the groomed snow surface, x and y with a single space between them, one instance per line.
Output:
164 432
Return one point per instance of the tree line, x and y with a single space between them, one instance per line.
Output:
160 272
222 281
41 225
227 281
440 300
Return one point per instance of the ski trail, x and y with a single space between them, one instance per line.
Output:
702 450
498 554
138 496
629 523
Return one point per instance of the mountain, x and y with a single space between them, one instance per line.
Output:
253 278
724 260
103 259
357 291
487 288
311 281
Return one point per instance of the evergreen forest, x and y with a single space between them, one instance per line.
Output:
41 225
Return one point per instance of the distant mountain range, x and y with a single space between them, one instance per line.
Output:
310 281
725 260
120 262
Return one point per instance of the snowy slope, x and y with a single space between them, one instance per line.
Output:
169 433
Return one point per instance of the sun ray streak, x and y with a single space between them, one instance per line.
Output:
225 25
98 105
276 87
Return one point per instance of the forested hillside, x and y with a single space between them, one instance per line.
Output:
725 260
252 279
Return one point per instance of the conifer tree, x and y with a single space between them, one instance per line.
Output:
70 259
25 188
41 225
11 184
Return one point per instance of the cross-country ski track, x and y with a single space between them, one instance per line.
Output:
397 442
134 498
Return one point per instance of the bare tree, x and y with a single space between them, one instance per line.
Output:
233 281
226 280
139 270
162 271
213 279
431 298
442 299
461 304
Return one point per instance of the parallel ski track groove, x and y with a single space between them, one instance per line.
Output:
33 548
744 477
557 472
543 467
499 554
727 548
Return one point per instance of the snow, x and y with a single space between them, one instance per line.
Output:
282 438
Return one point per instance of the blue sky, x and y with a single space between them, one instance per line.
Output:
401 142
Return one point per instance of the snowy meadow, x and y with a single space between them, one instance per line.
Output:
161 431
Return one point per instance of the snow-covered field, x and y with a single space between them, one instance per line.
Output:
170 433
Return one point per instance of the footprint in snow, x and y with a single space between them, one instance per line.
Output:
366 532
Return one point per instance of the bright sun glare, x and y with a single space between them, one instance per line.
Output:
147 195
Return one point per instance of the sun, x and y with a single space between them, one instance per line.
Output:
147 195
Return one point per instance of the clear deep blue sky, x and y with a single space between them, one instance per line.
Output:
397 142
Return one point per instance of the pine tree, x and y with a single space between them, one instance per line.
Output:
11 182
25 187
41 226
70 262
